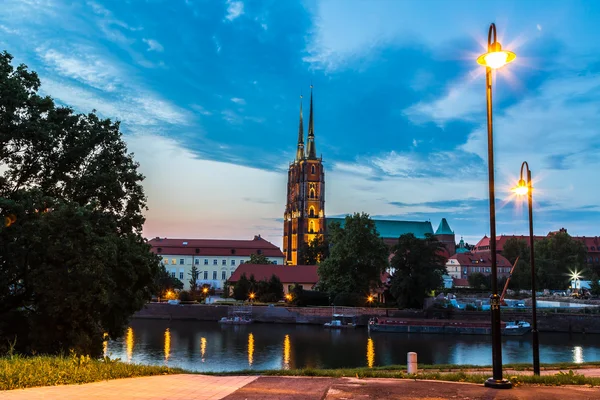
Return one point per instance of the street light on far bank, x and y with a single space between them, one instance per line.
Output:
526 188
495 58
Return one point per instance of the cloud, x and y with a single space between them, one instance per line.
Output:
153 45
9 30
234 9
462 101
83 66
201 109
422 165
237 100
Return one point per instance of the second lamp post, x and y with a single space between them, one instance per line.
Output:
522 189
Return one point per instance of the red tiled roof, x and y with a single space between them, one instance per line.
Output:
479 260
285 273
215 247
589 242
457 282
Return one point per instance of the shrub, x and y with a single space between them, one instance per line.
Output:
184 295
268 298
349 300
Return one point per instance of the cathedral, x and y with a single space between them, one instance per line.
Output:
304 217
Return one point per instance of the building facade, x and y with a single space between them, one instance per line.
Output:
304 216
591 243
462 265
216 260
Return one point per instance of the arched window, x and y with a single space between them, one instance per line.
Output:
312 193
312 169
312 227
311 212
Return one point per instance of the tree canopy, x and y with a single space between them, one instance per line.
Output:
521 277
313 252
73 263
357 258
556 258
418 268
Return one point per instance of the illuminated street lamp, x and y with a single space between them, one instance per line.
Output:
494 58
288 297
370 300
252 296
205 290
526 188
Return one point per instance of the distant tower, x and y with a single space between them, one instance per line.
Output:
304 217
445 235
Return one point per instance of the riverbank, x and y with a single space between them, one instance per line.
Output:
24 372
27 372
551 320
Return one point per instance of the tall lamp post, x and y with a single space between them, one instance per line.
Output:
494 58
521 189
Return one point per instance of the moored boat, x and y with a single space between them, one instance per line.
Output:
235 321
340 321
443 326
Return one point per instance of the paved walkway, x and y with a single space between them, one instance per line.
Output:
203 387
167 387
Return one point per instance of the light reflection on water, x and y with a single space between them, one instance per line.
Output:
286 346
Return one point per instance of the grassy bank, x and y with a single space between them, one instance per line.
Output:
23 372
451 373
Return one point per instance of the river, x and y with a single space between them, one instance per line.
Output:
207 346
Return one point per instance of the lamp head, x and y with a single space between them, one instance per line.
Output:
521 189
496 57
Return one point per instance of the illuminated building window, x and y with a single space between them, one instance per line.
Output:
197 261
205 275
232 262
312 193
206 261
224 262
223 275
311 212
166 260
181 261
173 261
214 275
215 262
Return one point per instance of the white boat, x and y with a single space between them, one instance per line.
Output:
340 321
236 321
516 328
238 315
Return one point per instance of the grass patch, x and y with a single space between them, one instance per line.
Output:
23 372
431 372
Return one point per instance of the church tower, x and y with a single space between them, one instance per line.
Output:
304 217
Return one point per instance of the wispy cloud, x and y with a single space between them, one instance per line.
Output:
238 100
234 9
201 109
153 45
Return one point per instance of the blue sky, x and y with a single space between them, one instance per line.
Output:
208 95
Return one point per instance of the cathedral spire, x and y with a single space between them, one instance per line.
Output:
300 151
312 151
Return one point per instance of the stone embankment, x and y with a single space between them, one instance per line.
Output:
547 321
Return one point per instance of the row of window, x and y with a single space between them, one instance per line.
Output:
205 274
591 259
197 261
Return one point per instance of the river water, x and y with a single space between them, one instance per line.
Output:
207 346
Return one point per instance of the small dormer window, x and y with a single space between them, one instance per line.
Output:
259 251
197 251
593 248
159 250
232 251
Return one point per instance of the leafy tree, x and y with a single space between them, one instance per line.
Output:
357 258
164 282
194 274
313 252
556 257
241 289
515 247
419 267
275 287
73 263
478 280
595 285
259 259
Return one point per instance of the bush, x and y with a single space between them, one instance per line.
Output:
268 298
349 300
303 298
184 295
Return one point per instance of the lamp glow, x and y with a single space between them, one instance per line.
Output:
496 57
521 189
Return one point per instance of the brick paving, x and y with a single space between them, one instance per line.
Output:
167 387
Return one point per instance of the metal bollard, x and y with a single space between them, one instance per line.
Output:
412 362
